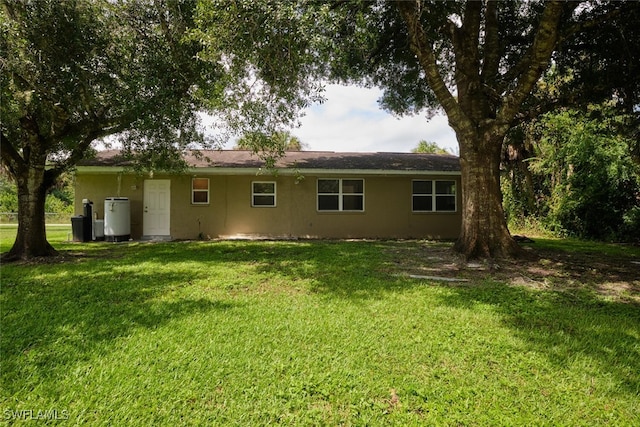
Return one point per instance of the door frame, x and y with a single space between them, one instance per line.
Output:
146 218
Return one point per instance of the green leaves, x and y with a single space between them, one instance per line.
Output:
591 179
429 147
266 56
79 71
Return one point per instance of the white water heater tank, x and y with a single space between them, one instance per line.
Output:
117 219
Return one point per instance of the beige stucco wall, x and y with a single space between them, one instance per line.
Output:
97 187
387 213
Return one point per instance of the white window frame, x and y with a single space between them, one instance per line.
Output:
340 195
434 196
254 194
199 190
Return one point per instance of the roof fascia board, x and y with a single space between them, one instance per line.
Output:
100 169
280 171
303 171
375 172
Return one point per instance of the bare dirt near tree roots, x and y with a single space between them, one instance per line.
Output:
612 276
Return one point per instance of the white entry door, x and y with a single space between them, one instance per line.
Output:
157 206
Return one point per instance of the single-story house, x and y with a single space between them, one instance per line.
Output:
227 194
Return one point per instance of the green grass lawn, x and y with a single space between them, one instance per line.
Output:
305 333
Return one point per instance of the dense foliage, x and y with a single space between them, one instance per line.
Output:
574 175
59 202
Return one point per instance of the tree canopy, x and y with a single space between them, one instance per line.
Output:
429 147
73 72
76 71
275 143
479 61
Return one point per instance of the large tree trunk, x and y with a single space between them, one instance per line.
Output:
485 105
31 239
484 232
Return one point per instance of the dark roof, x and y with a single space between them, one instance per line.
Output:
304 160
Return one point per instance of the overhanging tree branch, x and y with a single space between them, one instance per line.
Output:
536 61
10 157
491 60
426 57
578 27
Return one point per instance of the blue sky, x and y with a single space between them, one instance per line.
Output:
351 120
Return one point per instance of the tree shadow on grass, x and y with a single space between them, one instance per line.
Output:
102 302
55 315
565 325
355 270
559 322
50 324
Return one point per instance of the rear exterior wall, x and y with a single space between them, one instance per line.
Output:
229 213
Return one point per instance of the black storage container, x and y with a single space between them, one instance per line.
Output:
81 228
76 228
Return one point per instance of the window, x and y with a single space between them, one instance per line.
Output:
341 195
433 196
200 191
445 196
422 196
263 194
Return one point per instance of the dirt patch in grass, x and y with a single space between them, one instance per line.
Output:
66 256
613 276
61 257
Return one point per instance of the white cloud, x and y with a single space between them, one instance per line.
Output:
351 120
